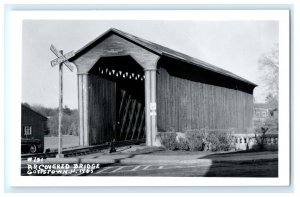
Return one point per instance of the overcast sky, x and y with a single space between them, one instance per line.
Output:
234 45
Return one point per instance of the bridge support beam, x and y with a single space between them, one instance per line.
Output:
83 109
150 107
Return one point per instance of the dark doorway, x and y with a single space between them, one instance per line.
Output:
129 110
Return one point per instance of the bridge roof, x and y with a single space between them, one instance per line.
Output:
159 50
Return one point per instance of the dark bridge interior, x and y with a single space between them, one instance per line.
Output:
128 77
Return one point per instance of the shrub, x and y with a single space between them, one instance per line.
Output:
198 140
268 126
260 137
195 139
220 141
168 140
182 144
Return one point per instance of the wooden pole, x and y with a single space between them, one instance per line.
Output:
59 154
62 59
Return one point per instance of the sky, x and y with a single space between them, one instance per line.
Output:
235 46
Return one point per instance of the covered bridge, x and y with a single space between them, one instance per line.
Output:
129 88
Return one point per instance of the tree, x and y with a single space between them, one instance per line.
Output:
69 123
46 111
67 110
269 66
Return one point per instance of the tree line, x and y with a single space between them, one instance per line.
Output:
269 67
69 119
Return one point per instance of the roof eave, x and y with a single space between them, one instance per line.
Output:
207 68
29 108
80 51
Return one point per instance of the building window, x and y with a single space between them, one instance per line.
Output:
27 130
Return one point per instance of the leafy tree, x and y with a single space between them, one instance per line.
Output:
46 111
67 110
69 123
269 66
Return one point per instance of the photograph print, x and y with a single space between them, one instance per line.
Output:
150 98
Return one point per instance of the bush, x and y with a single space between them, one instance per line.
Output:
220 141
195 139
268 126
198 140
204 140
182 144
168 140
260 137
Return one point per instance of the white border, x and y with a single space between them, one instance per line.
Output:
15 59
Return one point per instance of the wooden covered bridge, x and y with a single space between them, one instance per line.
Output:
129 88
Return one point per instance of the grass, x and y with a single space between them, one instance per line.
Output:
68 141
262 169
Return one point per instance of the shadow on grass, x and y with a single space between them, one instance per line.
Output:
243 164
228 164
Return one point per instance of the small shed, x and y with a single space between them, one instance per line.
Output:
129 88
34 125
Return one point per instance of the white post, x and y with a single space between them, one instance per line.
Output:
59 154
85 95
83 108
80 109
150 106
147 108
153 114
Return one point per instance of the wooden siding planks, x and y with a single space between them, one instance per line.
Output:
102 109
184 104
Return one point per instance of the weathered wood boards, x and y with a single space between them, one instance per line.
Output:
184 104
102 109
130 117
137 119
